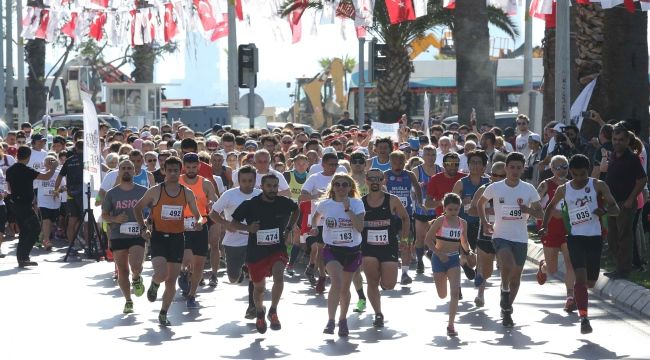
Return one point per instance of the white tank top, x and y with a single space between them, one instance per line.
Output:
580 206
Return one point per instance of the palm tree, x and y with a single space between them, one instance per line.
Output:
35 93
393 85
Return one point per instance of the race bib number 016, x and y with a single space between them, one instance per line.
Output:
171 212
451 233
268 236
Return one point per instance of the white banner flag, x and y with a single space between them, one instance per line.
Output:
385 130
581 104
92 152
425 120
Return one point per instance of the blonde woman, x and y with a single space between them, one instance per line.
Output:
343 213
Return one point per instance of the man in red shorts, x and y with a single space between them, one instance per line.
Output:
268 218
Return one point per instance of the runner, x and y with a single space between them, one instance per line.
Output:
486 251
49 203
125 240
514 201
400 182
380 240
142 177
270 218
357 164
554 240
166 201
383 148
235 242
342 213
423 216
465 188
313 190
262 160
446 234
582 202
296 179
196 242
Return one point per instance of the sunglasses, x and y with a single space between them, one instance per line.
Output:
447 163
151 160
374 178
287 142
343 184
561 167
498 175
358 162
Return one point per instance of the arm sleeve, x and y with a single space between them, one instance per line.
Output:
282 184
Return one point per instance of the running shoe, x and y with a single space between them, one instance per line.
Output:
451 332
290 270
162 319
275 322
406 279
469 272
428 254
420 267
320 285
152 293
507 320
585 326
202 281
260 323
2 255
213 281
184 281
478 280
251 313
309 271
361 306
191 303
379 321
138 287
329 328
570 305
460 293
343 328
479 301
128 307
541 277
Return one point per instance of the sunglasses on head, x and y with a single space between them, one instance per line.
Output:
561 167
375 178
341 184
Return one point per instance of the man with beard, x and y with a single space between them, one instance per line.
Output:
125 240
269 218
196 242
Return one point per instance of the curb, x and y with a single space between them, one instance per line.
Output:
624 294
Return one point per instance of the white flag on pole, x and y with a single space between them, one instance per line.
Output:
91 146
425 120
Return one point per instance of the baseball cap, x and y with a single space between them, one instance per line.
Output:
329 150
58 140
191 158
145 135
535 137
212 144
559 127
249 143
414 143
37 137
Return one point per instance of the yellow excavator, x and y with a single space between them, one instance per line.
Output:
445 45
318 106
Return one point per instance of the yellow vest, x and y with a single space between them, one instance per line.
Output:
294 186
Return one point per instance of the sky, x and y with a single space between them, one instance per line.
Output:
198 71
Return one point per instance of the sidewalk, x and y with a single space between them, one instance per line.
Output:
624 294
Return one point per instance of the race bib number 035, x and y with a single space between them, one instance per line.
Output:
580 215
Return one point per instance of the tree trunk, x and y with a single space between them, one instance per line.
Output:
143 57
393 85
36 94
623 94
475 75
548 88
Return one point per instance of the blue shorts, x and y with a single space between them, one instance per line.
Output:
519 250
453 260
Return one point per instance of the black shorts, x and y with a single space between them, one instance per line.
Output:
472 234
11 218
169 246
318 239
383 253
197 241
3 218
126 243
63 209
75 206
49 214
423 218
584 252
486 245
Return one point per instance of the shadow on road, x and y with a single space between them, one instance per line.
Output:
116 321
256 351
339 347
559 319
448 343
155 338
513 338
590 351
233 329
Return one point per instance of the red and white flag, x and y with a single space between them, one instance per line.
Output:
96 30
540 8
41 32
204 10
171 28
70 27
449 4
400 11
221 30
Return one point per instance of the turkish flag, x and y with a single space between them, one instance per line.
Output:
449 4
206 15
361 31
296 31
97 26
170 22
102 3
400 11
629 5
238 10
41 32
221 30
70 27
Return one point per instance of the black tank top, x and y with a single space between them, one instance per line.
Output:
379 230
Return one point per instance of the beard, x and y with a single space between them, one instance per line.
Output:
191 175
127 177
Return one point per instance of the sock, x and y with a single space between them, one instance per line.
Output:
581 297
260 314
251 303
419 252
405 270
505 299
362 296
272 310
379 315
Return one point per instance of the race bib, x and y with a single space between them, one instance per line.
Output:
403 200
451 233
48 191
378 237
268 236
130 228
171 212
189 223
342 236
511 212
580 215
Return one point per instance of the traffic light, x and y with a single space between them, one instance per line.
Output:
378 61
248 65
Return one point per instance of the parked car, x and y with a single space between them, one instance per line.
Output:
501 119
76 120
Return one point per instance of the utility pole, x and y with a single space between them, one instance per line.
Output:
9 74
20 62
361 109
2 72
233 88
562 63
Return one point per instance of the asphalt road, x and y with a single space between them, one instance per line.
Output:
74 310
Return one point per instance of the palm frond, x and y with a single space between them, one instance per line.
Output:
290 5
503 21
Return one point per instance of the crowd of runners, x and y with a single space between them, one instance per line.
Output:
347 204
